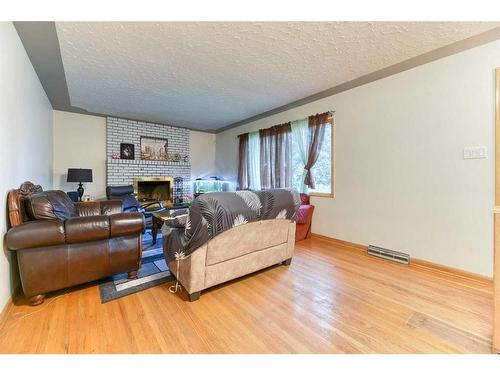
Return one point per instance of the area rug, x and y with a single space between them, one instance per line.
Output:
154 271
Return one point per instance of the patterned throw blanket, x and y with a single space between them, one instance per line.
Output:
214 213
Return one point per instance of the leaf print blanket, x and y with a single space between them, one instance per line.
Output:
214 213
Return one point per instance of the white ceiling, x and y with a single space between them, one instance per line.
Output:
207 75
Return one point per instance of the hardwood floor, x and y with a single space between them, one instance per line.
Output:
332 299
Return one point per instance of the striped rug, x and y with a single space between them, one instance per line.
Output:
154 271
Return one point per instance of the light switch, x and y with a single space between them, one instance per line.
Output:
475 152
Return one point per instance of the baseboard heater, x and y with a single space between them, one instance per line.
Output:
392 255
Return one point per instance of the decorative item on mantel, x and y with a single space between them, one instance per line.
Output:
127 151
154 148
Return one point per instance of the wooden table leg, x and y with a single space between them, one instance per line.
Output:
154 228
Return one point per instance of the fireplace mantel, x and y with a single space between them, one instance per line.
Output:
148 162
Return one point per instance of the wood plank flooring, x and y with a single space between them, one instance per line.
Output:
332 299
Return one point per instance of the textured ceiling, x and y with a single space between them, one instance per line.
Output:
207 75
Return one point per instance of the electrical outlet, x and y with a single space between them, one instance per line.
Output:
475 152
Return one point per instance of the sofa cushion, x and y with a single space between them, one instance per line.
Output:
50 205
247 238
112 206
107 207
87 228
236 267
88 208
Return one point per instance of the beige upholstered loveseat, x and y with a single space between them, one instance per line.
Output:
236 252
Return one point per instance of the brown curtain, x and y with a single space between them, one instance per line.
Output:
275 156
317 126
243 162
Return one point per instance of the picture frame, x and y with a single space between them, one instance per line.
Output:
153 148
127 151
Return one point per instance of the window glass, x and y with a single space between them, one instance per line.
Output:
322 170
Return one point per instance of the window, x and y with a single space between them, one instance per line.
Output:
277 156
322 170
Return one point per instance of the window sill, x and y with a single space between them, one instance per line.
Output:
322 195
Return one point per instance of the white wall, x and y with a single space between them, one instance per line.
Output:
80 142
400 180
25 137
202 154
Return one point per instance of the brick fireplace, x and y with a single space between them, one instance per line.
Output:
154 189
125 171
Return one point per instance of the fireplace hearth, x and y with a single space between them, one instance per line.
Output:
154 189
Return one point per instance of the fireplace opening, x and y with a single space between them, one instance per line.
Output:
154 189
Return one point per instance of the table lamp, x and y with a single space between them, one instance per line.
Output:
79 175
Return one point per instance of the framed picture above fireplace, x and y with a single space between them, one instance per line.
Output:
127 151
154 148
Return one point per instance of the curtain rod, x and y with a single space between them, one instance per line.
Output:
331 112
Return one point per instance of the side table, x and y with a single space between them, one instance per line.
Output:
159 217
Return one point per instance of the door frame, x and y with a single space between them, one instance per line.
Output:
496 221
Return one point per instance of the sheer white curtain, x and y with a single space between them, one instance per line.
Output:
300 134
254 161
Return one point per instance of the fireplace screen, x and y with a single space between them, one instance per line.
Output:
155 189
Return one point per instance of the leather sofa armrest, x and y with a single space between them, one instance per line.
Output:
304 214
36 234
126 223
106 207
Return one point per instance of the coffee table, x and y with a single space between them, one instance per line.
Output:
159 217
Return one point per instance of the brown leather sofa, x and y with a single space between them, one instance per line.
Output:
60 243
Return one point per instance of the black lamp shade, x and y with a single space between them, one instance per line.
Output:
79 175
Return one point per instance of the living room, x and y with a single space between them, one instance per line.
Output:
271 187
